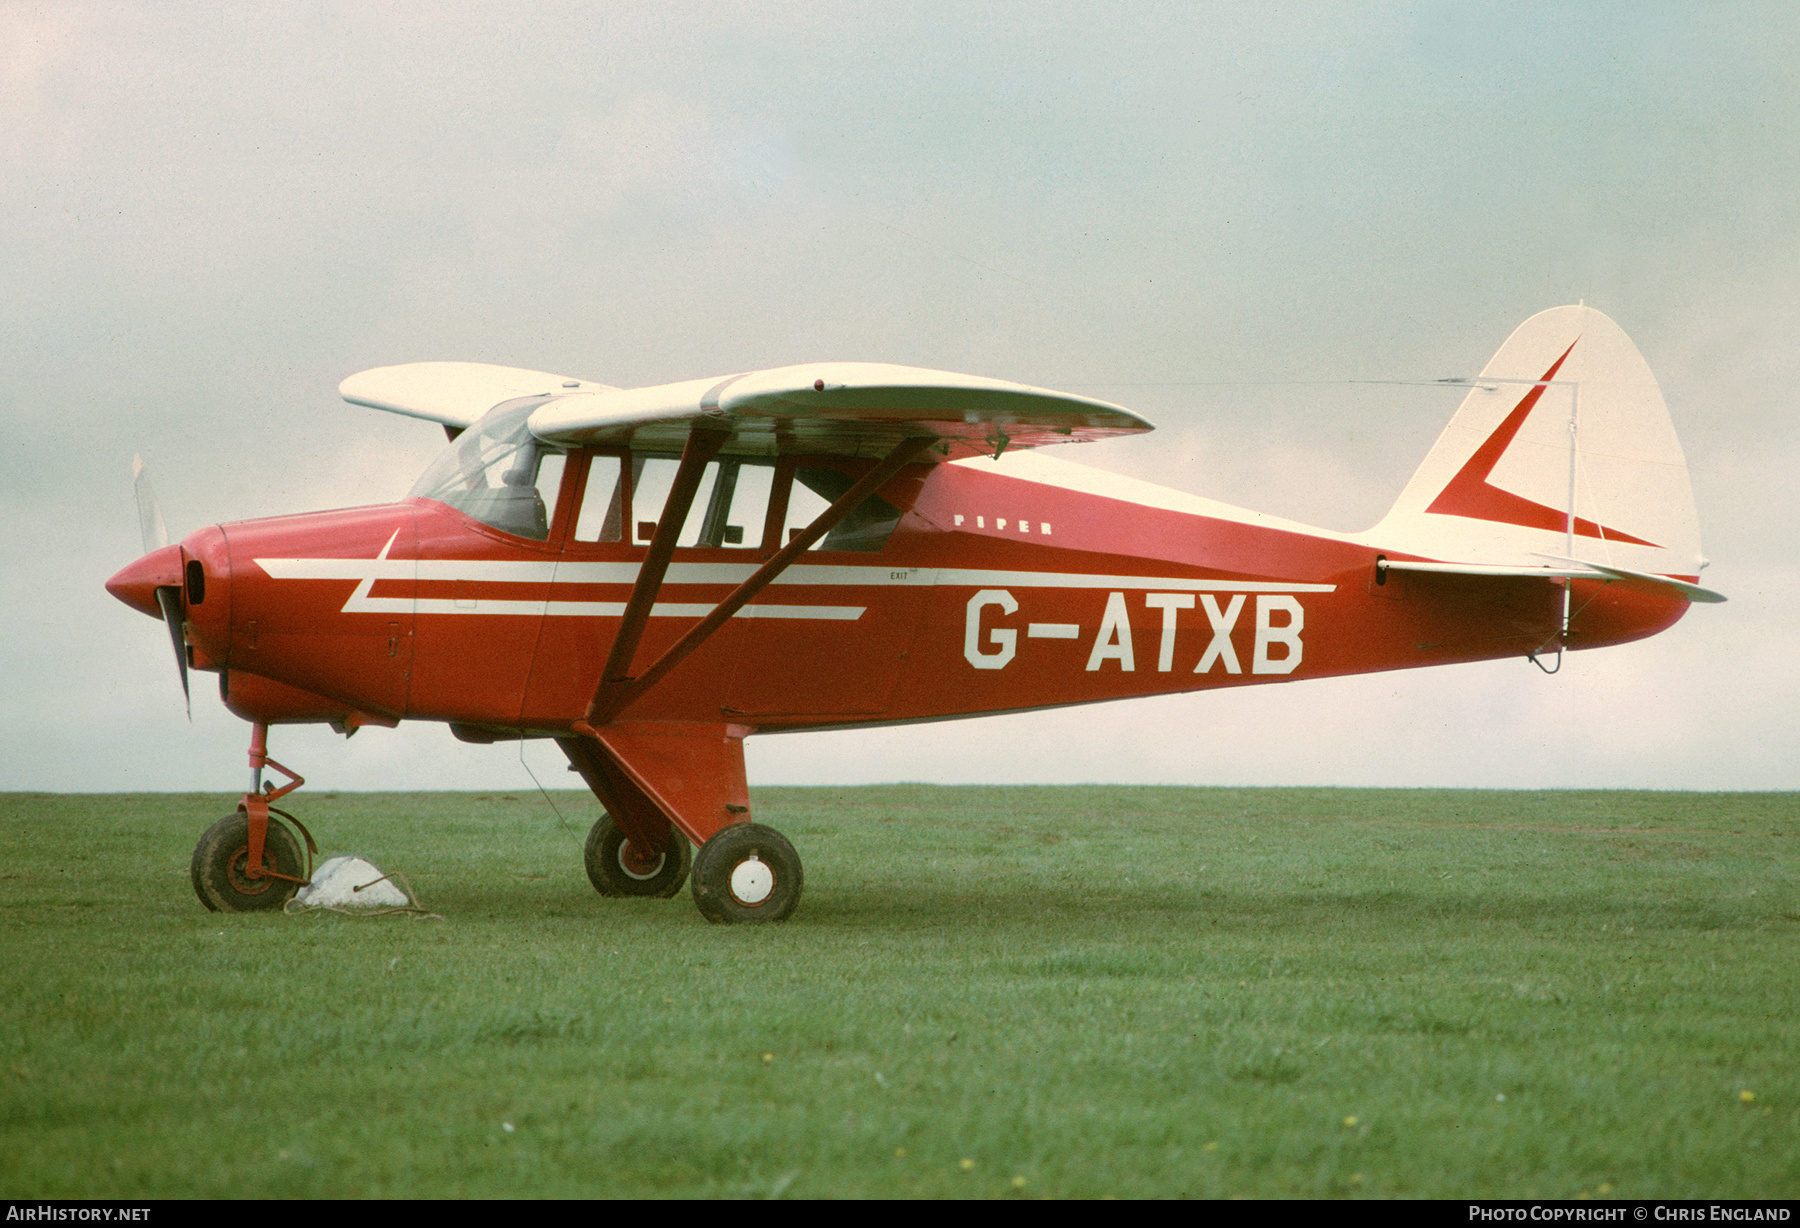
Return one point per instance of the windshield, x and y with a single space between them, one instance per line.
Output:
498 473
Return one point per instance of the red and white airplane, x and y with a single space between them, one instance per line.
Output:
651 575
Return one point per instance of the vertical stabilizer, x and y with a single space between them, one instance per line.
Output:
1563 447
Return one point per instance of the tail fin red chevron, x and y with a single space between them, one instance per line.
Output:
1562 449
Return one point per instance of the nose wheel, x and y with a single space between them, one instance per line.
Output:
746 873
221 867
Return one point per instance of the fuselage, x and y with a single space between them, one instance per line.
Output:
977 587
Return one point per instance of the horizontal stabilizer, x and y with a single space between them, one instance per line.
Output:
1688 589
1563 568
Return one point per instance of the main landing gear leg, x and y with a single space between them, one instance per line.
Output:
633 850
247 862
665 784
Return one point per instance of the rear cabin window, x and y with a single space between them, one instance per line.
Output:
815 489
733 501
729 509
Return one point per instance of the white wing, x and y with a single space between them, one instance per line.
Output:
453 393
849 409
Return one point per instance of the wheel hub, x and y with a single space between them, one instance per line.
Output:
237 870
638 866
752 881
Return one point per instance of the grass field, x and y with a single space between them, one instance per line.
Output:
986 992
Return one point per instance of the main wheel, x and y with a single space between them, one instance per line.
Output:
615 871
222 858
746 872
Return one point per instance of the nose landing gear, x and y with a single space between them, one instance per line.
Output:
248 862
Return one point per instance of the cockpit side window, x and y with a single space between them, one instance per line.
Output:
601 517
497 472
728 510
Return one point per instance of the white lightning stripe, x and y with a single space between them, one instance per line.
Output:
370 570
379 568
544 571
585 609
1052 631
1180 584
362 590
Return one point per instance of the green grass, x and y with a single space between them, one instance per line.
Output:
986 992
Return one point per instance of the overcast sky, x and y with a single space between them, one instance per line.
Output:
1220 216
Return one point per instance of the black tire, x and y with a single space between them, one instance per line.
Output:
611 876
223 855
729 889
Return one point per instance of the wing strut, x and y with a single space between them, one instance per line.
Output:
701 447
616 692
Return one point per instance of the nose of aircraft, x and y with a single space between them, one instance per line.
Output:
172 584
136 583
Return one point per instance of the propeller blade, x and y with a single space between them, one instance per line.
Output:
150 517
169 598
